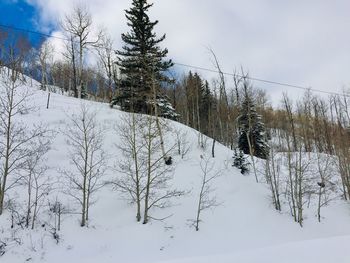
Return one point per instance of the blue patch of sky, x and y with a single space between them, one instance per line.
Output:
20 14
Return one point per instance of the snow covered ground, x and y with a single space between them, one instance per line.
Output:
244 228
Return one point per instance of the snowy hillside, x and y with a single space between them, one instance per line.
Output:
244 227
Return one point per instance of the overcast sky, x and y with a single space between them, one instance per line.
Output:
303 42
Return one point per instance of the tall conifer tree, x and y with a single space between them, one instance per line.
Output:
252 135
142 62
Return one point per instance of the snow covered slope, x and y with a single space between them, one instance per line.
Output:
316 250
244 228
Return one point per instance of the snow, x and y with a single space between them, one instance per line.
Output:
244 228
317 250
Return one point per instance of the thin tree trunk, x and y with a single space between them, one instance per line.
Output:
213 149
200 204
7 151
157 120
137 175
29 190
35 205
149 170
289 157
84 201
76 93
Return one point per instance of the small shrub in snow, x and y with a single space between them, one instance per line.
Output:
2 248
240 162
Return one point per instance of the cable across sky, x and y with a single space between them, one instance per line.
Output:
196 67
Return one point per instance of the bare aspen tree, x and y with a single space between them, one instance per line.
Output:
342 142
304 115
131 166
15 135
183 145
322 126
70 70
250 126
78 26
144 177
206 199
107 59
236 99
324 171
158 175
224 114
291 121
290 148
298 184
45 58
343 156
87 157
273 178
57 210
167 159
30 66
36 180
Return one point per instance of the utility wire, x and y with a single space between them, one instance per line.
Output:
191 66
261 80
32 32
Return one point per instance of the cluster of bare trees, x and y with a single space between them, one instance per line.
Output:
18 141
145 175
78 27
313 135
88 158
45 56
313 126
37 182
72 73
301 179
23 148
15 50
213 109
273 178
195 101
23 162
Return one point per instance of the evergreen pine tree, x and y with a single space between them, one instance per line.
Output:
165 108
251 127
240 162
199 101
206 106
142 63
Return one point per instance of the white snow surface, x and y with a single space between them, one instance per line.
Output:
244 228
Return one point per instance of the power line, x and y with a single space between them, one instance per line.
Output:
261 80
32 32
193 67
241 76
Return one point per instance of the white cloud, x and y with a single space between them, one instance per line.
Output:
295 41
